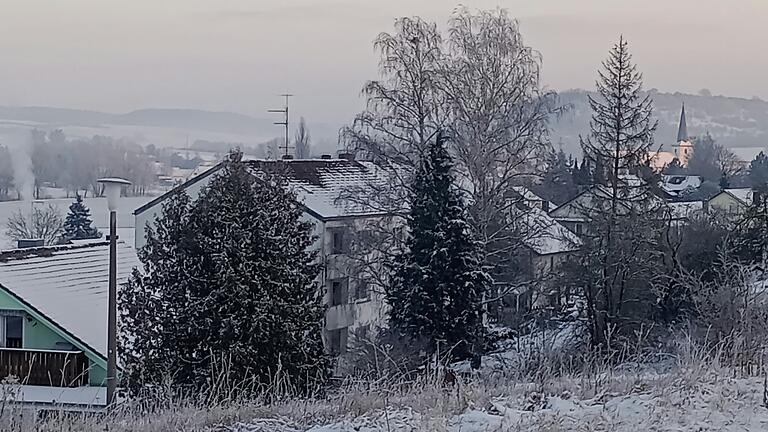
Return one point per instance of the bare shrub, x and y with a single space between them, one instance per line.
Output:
46 223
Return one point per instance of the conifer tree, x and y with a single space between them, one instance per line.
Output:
616 261
439 284
228 288
558 185
78 224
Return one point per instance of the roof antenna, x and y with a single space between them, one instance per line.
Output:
286 147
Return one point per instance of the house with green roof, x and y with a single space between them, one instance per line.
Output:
53 321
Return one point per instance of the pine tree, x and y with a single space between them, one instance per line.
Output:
439 284
616 261
78 224
228 288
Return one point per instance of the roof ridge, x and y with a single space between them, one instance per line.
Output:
47 251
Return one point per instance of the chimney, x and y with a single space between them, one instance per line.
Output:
325 157
348 156
30 243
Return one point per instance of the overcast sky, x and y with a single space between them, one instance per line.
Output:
237 55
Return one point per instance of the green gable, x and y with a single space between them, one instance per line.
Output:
43 334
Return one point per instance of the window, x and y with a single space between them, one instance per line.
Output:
578 228
339 294
12 332
338 243
337 341
361 289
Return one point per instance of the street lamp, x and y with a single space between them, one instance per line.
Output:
112 188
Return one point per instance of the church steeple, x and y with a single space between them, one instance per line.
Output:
682 130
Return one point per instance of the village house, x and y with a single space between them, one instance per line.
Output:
355 307
548 245
53 322
732 202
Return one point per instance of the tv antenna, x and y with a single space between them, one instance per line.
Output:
286 147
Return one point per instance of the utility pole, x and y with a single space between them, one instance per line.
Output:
286 147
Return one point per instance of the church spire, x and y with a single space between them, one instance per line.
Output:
682 130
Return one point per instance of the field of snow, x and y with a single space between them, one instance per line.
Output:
99 214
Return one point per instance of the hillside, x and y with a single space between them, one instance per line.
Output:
163 127
734 122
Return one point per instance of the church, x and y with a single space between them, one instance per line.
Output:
683 147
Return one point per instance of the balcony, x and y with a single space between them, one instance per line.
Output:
44 367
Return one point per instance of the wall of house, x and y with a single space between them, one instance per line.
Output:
354 315
149 215
726 203
38 335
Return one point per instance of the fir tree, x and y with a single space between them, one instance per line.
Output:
616 261
78 224
228 288
437 292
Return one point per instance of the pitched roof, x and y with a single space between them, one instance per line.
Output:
544 235
744 195
529 195
682 130
68 285
318 183
321 183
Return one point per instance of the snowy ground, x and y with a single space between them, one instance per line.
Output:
666 403
99 213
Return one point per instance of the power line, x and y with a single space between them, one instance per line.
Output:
286 147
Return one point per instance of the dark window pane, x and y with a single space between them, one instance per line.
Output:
13 331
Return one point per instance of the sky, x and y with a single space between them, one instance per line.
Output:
238 55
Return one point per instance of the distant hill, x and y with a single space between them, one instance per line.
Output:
173 118
161 126
734 122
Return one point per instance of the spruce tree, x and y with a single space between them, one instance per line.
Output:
78 224
438 287
228 288
617 261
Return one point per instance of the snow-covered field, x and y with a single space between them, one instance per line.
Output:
99 214
665 403
690 399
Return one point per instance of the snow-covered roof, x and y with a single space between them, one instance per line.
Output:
684 210
744 195
529 196
320 184
68 285
544 235
679 183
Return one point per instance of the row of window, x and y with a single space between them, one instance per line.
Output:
340 294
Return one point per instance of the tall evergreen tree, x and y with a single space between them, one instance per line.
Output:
78 224
228 287
615 264
439 284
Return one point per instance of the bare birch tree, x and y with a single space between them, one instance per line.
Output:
499 122
480 85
